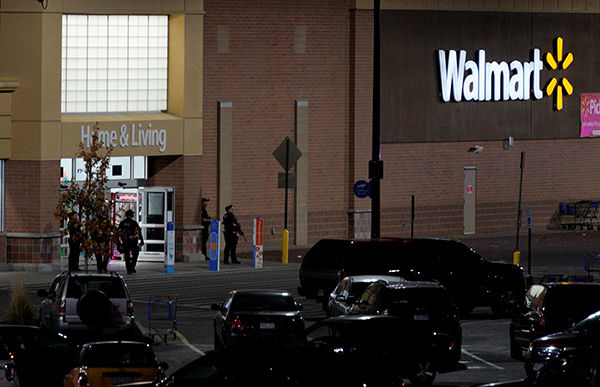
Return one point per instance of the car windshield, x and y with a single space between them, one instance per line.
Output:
111 286
400 302
263 303
118 355
589 324
34 341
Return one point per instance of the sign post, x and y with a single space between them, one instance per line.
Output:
170 257
257 253
215 241
287 154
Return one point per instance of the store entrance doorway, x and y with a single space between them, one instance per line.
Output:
153 209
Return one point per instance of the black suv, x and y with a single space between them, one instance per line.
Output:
469 278
551 308
423 302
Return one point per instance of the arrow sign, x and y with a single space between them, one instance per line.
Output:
287 153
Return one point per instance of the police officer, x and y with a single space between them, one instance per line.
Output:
75 239
231 227
130 239
205 219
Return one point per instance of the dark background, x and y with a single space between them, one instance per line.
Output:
411 108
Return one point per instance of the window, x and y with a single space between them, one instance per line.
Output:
126 168
114 63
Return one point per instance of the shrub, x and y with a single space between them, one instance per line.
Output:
20 311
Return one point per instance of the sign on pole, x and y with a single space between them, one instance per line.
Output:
258 243
170 257
215 241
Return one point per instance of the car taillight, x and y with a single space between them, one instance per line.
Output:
82 380
62 307
237 325
9 372
130 307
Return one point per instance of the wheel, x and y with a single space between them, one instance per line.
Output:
505 304
424 375
94 307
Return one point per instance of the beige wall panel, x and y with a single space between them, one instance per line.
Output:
5 148
5 127
26 140
5 104
194 38
51 68
192 144
22 58
176 77
50 140
131 135
106 6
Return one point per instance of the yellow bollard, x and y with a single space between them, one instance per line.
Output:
517 258
284 247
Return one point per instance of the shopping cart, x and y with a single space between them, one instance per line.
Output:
162 317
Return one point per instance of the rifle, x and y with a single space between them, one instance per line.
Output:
241 232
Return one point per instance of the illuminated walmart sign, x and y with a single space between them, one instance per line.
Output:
480 80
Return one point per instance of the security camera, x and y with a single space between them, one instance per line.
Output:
476 149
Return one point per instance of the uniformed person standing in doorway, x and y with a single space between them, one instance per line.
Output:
231 227
130 240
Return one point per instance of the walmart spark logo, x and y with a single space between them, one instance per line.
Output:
560 62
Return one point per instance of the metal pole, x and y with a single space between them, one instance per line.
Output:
287 167
517 254
375 166
412 216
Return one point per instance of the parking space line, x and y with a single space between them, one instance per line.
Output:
481 360
188 344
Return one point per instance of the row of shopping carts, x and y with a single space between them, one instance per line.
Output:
579 215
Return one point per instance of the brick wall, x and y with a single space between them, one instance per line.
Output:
262 75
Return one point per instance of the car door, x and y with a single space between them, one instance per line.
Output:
220 320
50 303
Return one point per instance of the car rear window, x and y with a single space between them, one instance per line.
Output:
111 286
263 303
572 301
408 301
120 355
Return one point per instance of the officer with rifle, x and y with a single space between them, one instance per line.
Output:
231 229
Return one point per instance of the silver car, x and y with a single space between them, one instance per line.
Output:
85 303
349 289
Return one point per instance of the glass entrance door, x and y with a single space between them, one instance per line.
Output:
156 204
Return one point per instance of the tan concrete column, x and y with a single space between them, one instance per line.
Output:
301 196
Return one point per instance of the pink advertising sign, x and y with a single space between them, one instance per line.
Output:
590 115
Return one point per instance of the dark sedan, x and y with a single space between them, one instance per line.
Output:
41 358
255 317
551 308
584 335
387 348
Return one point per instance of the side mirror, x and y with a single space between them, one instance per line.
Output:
42 293
300 307
216 307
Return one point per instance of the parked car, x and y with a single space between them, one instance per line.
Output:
8 372
469 278
551 308
349 289
111 363
423 302
267 366
573 368
390 348
254 317
39 357
87 304
582 336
